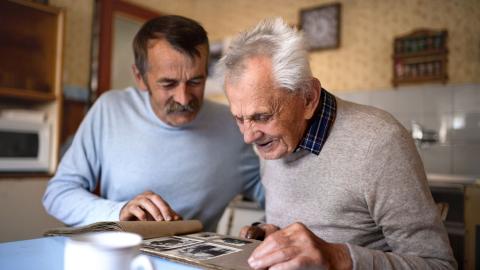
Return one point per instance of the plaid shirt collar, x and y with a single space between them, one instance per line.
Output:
320 125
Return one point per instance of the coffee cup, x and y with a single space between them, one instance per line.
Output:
105 251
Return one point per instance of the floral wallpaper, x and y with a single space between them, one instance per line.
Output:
363 62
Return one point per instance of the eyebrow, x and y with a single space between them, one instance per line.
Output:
197 78
253 116
166 79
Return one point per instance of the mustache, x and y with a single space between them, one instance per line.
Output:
175 107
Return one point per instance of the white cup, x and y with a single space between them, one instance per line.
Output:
105 251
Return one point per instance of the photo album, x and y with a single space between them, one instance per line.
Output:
206 250
180 241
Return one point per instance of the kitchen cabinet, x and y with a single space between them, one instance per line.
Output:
462 194
31 43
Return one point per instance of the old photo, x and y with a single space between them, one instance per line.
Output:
232 241
172 242
204 235
203 251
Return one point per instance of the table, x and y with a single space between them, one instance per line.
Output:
47 253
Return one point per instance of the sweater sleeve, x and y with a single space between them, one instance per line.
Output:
69 194
399 200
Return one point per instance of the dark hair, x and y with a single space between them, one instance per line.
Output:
182 33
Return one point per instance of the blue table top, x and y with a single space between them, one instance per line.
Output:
47 253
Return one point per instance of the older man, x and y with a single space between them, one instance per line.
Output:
349 173
154 149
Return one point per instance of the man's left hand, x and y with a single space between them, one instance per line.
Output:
296 247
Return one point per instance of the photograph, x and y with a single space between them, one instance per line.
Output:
205 235
232 241
167 243
203 251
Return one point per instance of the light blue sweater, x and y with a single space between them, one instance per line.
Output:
197 168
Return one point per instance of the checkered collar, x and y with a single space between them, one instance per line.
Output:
320 125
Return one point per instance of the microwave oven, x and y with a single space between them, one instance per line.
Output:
24 146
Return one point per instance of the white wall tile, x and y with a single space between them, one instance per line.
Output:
440 123
437 158
466 159
360 98
466 128
438 99
466 98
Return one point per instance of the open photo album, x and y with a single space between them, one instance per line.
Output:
180 241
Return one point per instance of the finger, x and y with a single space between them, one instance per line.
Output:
269 229
165 209
296 263
138 212
274 258
125 214
273 242
151 209
244 231
256 232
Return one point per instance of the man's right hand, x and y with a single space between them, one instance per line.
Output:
148 206
258 232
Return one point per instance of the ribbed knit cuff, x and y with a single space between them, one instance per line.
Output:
362 258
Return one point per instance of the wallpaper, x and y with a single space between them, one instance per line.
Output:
78 32
363 62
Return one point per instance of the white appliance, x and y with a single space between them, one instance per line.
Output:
24 145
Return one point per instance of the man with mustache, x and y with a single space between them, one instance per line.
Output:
154 149
345 187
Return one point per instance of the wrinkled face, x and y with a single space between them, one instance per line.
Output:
272 119
175 82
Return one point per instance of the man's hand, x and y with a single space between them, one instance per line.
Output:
296 247
258 232
148 206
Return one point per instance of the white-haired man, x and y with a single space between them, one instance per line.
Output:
344 182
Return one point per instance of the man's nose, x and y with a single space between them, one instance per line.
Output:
182 95
251 134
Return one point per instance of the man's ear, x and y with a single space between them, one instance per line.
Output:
312 98
139 78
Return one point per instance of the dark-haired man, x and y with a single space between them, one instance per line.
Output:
157 143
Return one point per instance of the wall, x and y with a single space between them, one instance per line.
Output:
78 32
363 61
22 213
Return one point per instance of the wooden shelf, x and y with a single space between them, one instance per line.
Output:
421 53
26 95
32 37
420 56
31 45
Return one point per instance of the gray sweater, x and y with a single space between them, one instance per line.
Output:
367 188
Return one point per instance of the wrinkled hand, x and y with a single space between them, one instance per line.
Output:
148 206
258 232
296 247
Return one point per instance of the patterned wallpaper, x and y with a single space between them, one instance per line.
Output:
361 63
78 32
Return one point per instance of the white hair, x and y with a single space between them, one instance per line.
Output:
285 47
